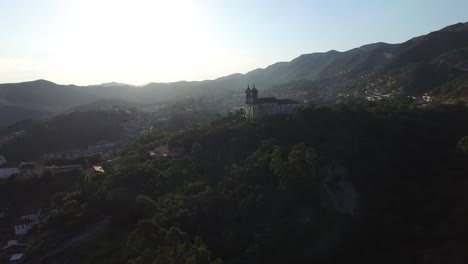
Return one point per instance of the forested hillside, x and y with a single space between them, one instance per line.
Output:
364 182
63 132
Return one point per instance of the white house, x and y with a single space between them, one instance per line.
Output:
6 173
32 217
15 258
14 244
30 169
23 229
255 106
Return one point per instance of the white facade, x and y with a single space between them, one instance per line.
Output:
6 173
29 217
30 169
254 110
15 258
255 107
22 229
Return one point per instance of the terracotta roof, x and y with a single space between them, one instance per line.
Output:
95 169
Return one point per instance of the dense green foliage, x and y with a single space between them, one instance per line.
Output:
360 182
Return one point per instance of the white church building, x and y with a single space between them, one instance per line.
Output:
255 107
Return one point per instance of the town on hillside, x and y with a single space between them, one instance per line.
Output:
19 223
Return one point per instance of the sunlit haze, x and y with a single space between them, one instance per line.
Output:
140 41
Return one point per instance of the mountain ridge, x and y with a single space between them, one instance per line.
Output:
309 76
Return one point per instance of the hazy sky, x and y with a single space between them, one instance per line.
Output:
139 41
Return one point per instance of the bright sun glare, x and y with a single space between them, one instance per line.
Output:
134 41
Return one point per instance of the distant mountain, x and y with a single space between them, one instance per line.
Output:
113 84
431 62
437 62
43 94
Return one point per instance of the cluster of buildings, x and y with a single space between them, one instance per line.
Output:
24 169
103 148
14 250
33 169
138 125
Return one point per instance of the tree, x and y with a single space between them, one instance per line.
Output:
145 206
462 145
277 163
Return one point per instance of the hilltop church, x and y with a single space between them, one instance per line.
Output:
255 106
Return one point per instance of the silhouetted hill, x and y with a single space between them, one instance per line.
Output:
19 101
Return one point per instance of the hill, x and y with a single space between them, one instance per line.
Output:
354 181
30 140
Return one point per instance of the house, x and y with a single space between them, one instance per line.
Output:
255 107
95 170
34 217
66 168
30 169
16 258
2 160
28 222
14 244
14 251
23 229
159 152
427 98
166 151
7 173
91 171
29 217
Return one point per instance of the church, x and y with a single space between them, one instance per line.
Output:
255 107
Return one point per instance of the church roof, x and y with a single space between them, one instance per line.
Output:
248 90
286 101
266 100
273 100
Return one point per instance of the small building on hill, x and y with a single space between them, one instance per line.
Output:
255 106
23 229
166 151
66 168
95 170
2 160
16 258
14 244
7 173
30 169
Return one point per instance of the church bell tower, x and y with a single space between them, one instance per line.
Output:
248 95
